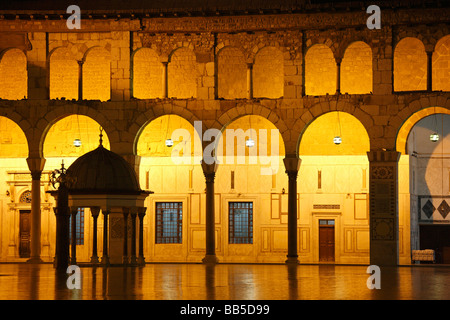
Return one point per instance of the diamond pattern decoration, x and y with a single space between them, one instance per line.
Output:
429 209
444 209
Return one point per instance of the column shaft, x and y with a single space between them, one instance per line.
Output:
105 258
36 165
94 212
141 214
209 170
292 165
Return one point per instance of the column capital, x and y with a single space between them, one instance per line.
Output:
141 211
292 164
209 169
95 211
36 165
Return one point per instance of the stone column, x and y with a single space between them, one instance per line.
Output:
80 79
105 257
133 258
292 165
165 85
141 214
62 227
338 78
125 235
383 208
430 71
73 212
209 170
36 165
249 80
95 212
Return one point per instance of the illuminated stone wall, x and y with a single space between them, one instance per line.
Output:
356 69
441 65
182 74
147 74
13 75
320 71
97 75
214 64
64 74
232 74
268 74
410 65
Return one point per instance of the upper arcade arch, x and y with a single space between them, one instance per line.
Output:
13 75
268 73
231 73
441 65
410 65
63 74
357 69
147 74
320 70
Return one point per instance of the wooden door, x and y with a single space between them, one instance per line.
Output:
24 233
326 240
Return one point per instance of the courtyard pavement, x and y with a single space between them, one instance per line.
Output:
225 282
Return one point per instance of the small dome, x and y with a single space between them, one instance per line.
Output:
102 172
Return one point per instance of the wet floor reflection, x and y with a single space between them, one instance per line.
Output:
223 282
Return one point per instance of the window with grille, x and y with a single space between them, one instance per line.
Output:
79 226
169 216
240 222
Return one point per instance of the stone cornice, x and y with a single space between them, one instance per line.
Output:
216 24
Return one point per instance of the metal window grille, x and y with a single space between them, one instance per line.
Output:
240 222
169 216
79 225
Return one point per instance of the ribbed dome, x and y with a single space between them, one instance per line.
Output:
102 172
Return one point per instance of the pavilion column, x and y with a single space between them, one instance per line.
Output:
105 257
383 208
62 212
126 211
292 165
141 214
95 212
73 212
133 258
209 170
36 165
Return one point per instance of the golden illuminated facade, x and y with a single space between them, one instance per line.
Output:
311 73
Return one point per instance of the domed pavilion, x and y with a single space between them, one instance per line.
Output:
102 180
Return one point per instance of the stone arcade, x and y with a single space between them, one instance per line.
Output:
311 69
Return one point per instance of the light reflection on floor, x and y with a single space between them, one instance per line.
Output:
224 282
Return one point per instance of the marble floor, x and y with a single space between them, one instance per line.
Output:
225 282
